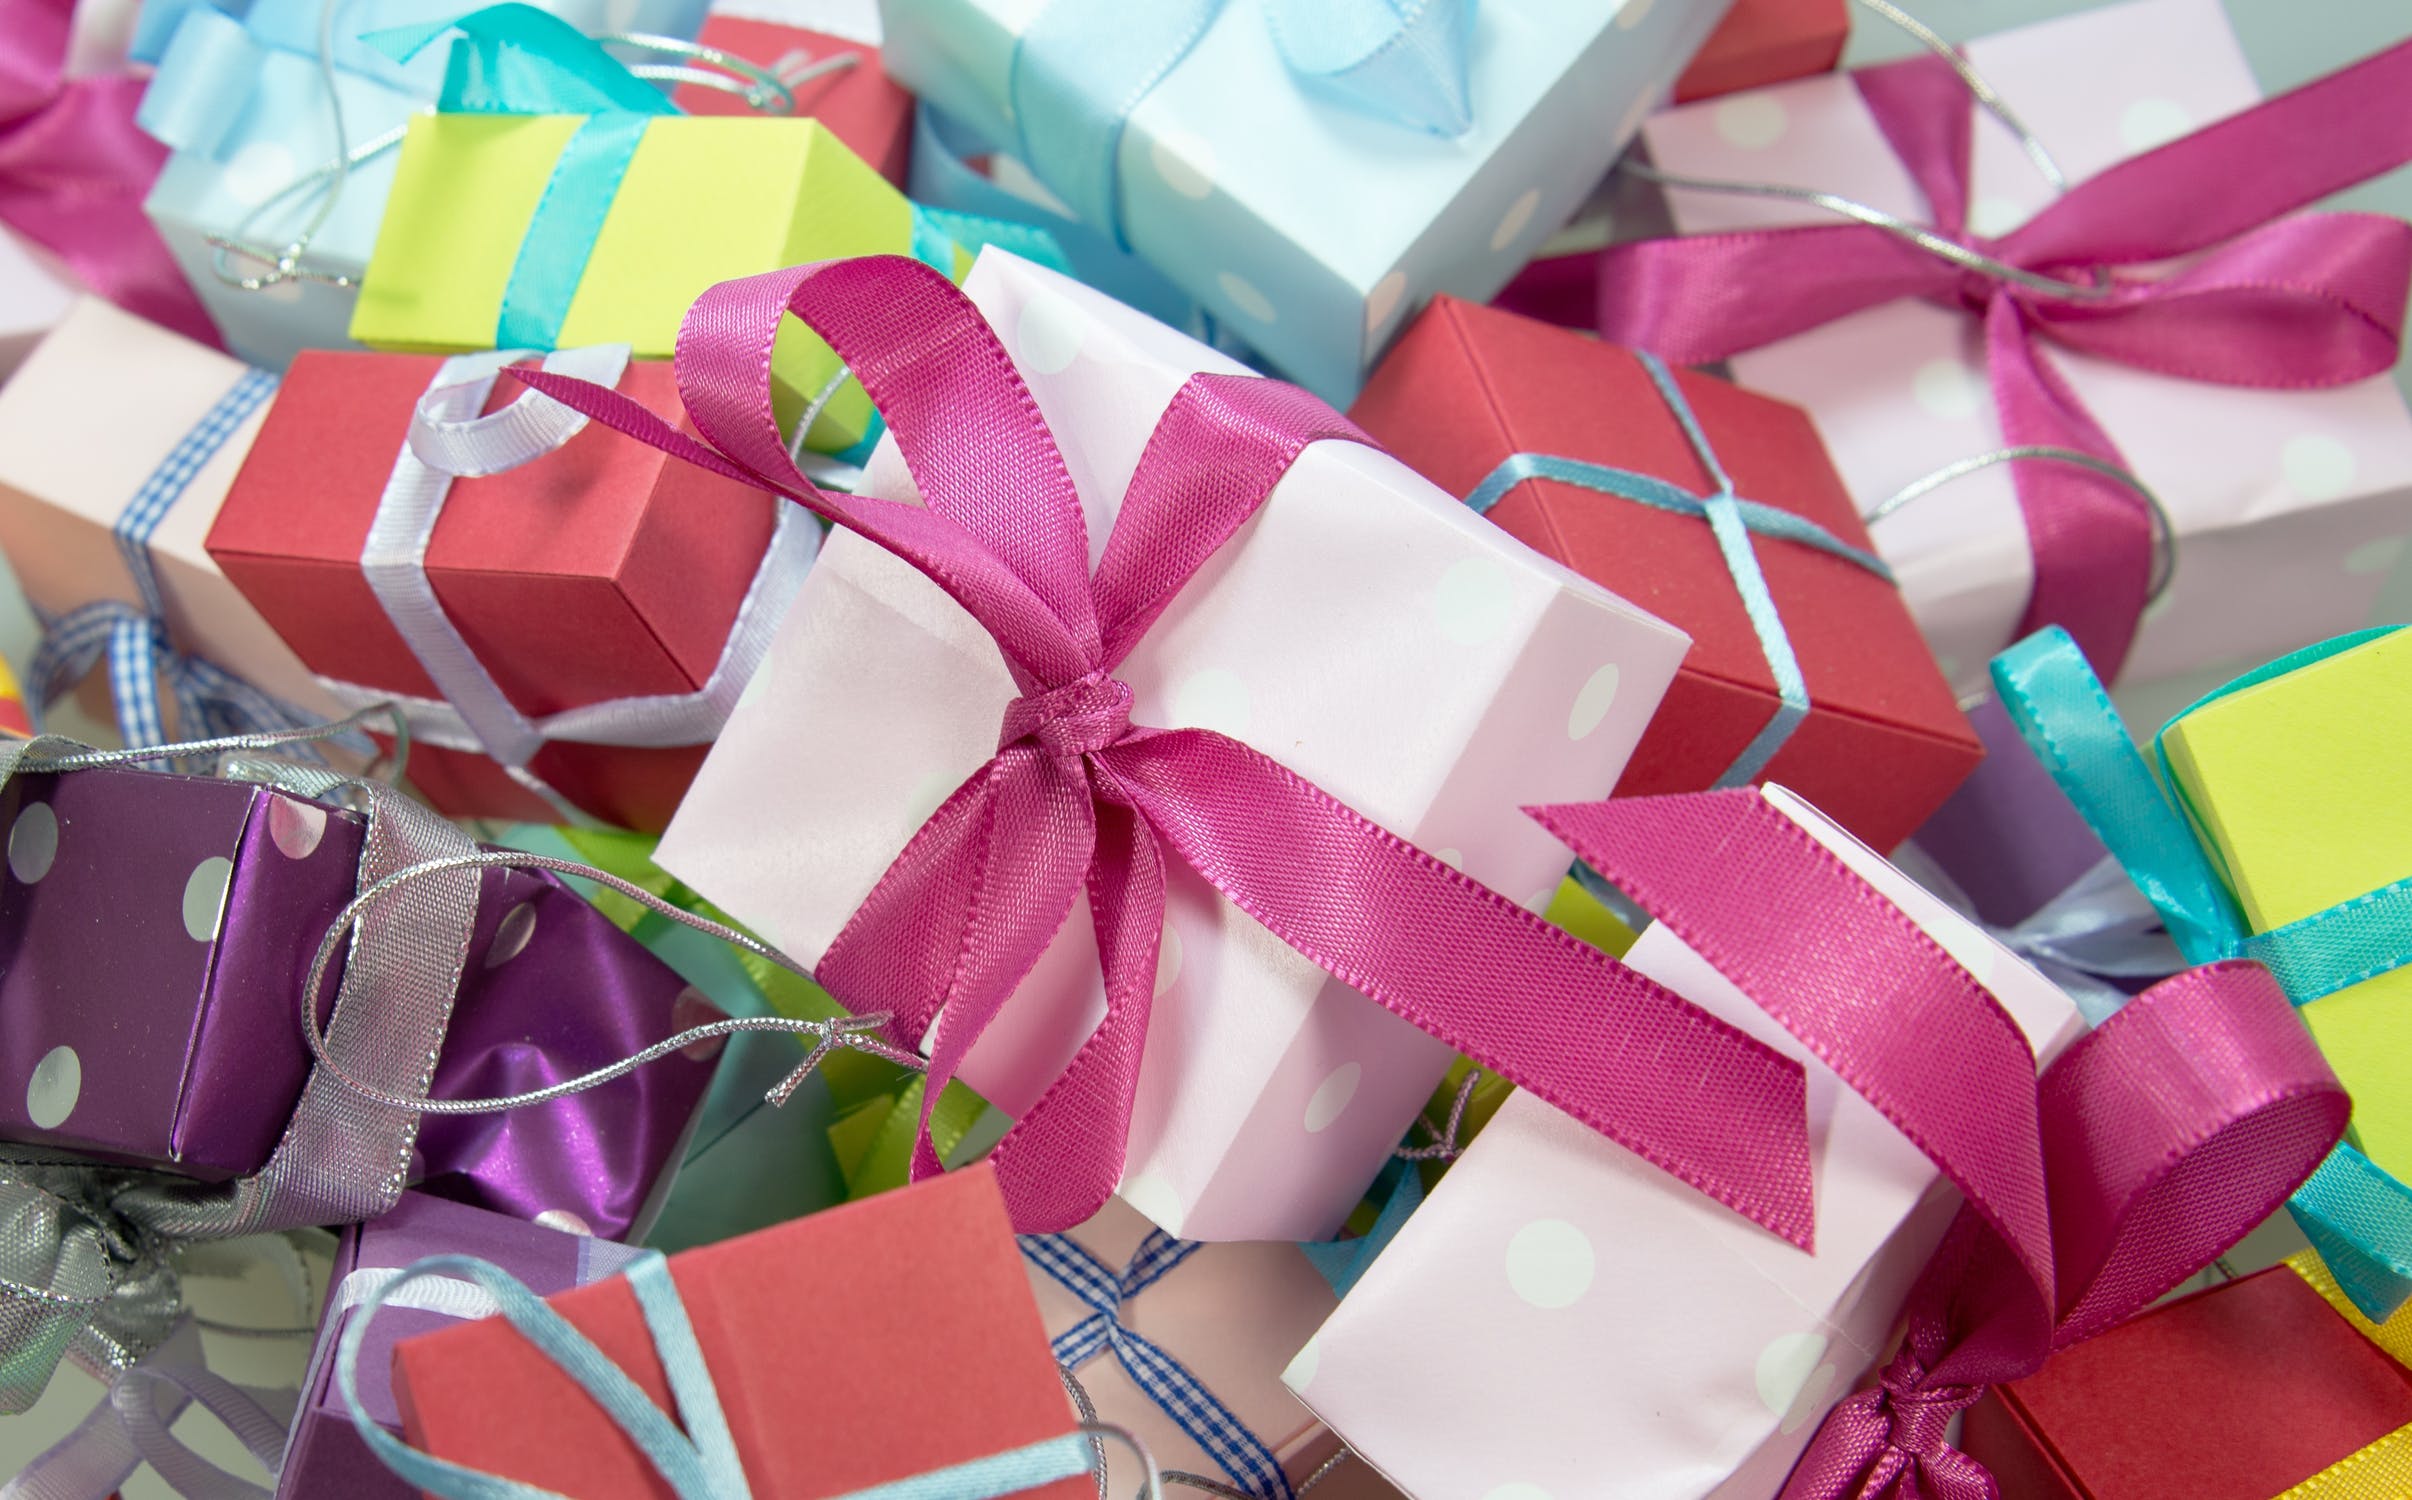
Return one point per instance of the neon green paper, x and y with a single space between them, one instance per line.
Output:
706 200
2301 790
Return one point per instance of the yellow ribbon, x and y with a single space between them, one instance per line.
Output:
2383 1470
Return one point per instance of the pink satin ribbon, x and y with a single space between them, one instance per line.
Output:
1078 798
74 170
2148 1148
2280 303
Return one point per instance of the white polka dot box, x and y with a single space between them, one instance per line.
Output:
1365 628
1309 226
33 297
1560 1321
240 105
2299 500
160 929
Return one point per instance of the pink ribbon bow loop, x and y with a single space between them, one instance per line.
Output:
2145 1150
2267 300
1079 799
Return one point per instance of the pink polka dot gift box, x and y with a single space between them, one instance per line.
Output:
1560 1321
1385 643
2284 487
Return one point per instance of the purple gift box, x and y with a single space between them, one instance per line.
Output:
325 1454
2009 836
155 935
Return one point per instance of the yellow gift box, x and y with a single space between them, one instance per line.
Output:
704 200
2299 788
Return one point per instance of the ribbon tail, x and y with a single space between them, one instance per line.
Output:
1852 1456
1625 1056
2359 1218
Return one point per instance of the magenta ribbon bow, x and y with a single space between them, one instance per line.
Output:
2146 1149
1079 798
2276 302
74 170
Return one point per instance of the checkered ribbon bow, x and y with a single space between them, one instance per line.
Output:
1242 1456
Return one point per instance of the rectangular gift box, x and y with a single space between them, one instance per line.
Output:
241 104
859 102
2009 837
601 570
1766 41
325 1454
1883 744
2292 499
858 1347
1611 1333
704 200
1312 229
2241 1392
1395 649
2298 788
35 293
96 411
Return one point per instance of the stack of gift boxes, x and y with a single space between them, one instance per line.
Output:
972 747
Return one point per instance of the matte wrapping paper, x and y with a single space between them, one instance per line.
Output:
1766 41
2294 499
34 294
1389 646
859 103
1610 1335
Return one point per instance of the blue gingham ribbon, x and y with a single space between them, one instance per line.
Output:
210 701
1735 521
1242 1456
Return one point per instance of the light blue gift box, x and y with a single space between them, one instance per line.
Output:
1312 229
242 105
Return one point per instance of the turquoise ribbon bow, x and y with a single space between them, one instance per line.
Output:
1734 521
2356 1215
701 1462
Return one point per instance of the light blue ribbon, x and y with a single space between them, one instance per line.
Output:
2357 1216
1734 521
701 1463
1084 65
1239 1453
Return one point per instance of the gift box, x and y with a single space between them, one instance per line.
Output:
1412 660
1766 41
931 1267
591 572
114 425
702 201
325 1454
2295 788
1184 1344
166 1035
2241 1392
859 103
239 101
2292 497
34 295
1882 743
1309 226
1546 1248
2008 837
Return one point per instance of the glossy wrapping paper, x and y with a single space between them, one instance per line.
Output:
1393 648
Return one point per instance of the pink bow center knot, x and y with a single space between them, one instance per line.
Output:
1080 718
1920 1408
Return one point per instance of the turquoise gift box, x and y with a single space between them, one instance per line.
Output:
1312 229
242 105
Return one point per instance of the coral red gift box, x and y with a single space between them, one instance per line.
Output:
599 571
1884 742
1762 42
859 103
826 1338
2238 1393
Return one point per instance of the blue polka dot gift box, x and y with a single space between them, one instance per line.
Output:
1310 202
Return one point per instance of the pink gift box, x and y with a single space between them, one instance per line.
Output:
1562 1319
1368 630
2293 499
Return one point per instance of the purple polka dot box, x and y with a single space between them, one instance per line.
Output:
156 932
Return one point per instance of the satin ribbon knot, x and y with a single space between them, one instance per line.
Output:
1920 1408
1082 717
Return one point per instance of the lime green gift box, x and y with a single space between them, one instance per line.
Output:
2301 789
705 199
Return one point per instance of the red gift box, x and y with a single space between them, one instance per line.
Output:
1766 41
867 1344
1884 742
602 570
861 104
2237 1393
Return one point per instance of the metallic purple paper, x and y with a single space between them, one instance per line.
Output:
2008 835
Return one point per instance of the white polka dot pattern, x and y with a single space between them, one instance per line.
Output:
33 844
295 827
1384 300
1550 1263
205 897
1153 1196
1949 389
1048 335
565 1221
258 172
1185 162
1168 957
52 1091
1244 296
2152 122
1474 600
511 937
1753 122
1592 702
1517 219
2317 466
1332 1095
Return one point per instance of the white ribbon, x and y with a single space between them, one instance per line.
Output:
449 439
